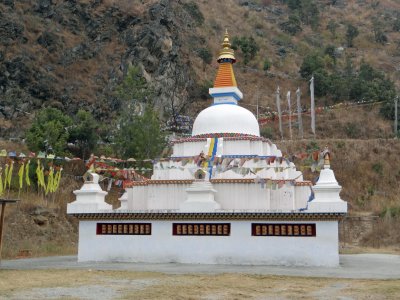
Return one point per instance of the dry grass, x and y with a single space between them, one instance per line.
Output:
139 285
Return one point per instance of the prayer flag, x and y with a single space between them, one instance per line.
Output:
27 179
9 175
21 175
1 182
6 176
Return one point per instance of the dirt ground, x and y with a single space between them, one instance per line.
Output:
91 284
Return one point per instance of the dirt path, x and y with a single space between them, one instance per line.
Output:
356 266
109 285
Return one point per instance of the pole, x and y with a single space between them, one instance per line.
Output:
3 209
258 96
298 93
290 114
312 106
278 105
395 116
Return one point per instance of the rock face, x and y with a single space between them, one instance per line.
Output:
72 54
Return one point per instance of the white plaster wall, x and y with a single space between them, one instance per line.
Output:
242 196
188 148
238 248
231 196
302 194
137 197
166 196
282 199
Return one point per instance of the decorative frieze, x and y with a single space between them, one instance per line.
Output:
273 229
123 228
201 229
249 216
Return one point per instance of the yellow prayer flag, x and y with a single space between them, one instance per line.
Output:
21 175
1 184
6 176
27 179
9 175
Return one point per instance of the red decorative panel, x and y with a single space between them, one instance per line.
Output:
123 229
201 229
273 229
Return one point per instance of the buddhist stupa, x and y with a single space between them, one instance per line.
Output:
225 196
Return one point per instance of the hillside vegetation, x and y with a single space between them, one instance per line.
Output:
76 55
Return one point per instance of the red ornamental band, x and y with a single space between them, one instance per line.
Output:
273 229
123 229
201 229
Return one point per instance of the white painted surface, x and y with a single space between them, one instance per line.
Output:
327 194
226 118
200 198
238 248
90 198
214 92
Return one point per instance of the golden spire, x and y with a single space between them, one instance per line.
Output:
327 158
226 52
225 76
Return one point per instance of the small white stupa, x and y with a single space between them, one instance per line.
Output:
225 196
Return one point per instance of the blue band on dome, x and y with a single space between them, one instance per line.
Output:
230 103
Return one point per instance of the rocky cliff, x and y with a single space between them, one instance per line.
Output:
72 54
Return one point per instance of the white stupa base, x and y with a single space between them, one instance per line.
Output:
90 198
325 206
240 247
200 198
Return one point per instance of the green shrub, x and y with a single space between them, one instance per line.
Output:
193 9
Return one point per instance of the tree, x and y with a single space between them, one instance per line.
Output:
379 35
267 65
292 26
134 87
140 136
351 33
49 131
311 63
248 47
332 26
309 13
193 9
330 51
84 134
206 57
396 24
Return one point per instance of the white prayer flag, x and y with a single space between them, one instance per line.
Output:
278 105
298 94
312 105
290 114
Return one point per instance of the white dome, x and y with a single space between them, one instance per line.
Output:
226 118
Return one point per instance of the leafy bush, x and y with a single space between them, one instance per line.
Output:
291 26
352 130
351 33
267 65
193 9
267 132
140 136
247 46
205 55
49 131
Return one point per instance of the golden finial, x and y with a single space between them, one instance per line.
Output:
226 51
327 158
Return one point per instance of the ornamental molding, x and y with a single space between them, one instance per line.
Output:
216 216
